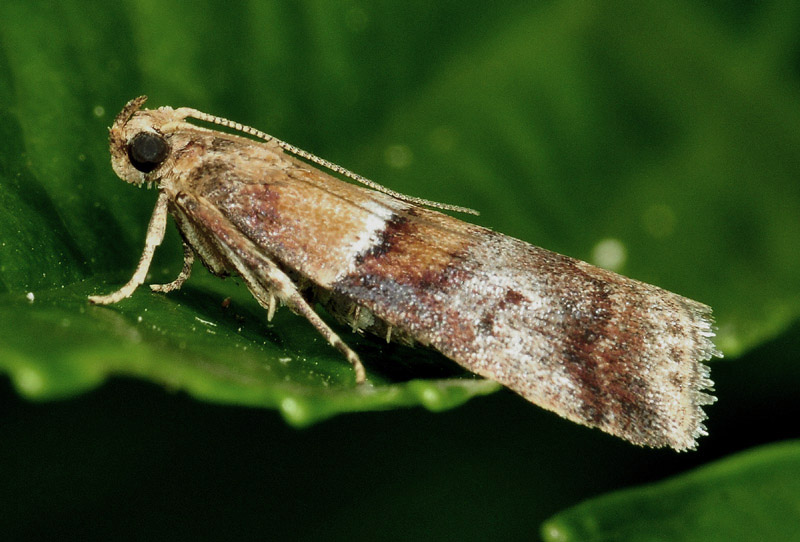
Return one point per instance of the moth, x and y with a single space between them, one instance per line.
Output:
593 346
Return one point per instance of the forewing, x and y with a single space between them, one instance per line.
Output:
593 346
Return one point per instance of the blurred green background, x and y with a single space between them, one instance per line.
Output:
667 132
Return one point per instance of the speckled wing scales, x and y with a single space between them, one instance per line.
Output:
597 348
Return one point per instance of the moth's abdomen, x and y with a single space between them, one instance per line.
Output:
359 318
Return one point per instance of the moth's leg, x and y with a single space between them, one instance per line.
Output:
188 260
263 277
273 283
295 301
272 304
155 234
356 317
203 247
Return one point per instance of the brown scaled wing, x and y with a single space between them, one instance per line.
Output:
596 347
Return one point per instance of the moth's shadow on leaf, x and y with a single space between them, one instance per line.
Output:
400 363
240 316
236 312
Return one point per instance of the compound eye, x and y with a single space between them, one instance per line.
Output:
147 150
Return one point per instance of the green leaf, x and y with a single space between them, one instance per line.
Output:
221 353
576 127
753 495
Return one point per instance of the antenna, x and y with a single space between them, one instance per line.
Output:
199 115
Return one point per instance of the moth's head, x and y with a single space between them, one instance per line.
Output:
139 142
